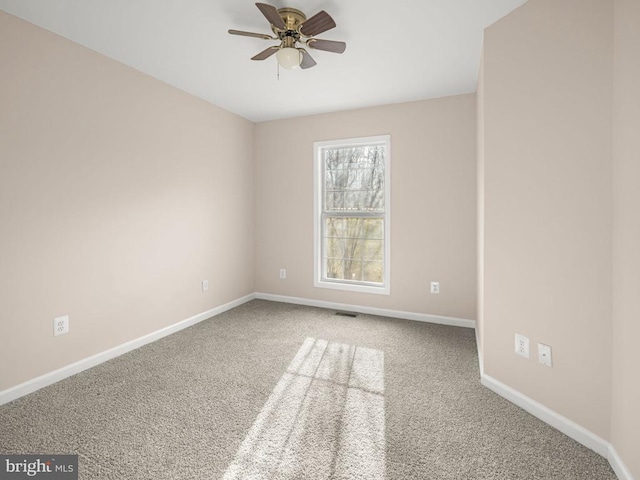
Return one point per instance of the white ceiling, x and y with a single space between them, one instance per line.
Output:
397 51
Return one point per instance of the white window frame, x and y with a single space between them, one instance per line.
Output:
318 172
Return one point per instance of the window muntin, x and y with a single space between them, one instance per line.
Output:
352 204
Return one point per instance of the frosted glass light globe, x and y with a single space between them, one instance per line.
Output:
289 58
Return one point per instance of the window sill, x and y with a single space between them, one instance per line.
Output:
381 290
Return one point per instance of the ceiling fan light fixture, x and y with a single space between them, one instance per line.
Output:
289 57
293 30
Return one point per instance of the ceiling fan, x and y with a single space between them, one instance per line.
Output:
291 27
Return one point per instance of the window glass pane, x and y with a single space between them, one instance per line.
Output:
353 200
373 272
373 228
334 201
335 227
352 240
334 247
335 268
373 250
353 270
359 172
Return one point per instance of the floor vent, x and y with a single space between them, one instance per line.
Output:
346 314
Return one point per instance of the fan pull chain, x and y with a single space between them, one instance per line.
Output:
278 64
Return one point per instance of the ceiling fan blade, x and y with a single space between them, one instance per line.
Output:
307 60
251 34
320 22
327 45
265 53
271 13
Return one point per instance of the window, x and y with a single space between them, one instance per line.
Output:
352 192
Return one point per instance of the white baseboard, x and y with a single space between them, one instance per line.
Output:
480 359
50 378
618 465
419 317
566 426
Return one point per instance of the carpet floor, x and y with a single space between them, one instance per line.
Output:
276 391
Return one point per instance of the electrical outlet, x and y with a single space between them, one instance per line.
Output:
205 285
544 355
522 345
60 325
435 287
283 273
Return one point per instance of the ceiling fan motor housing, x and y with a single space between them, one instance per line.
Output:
292 18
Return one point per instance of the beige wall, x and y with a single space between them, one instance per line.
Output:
548 200
625 423
432 203
118 195
433 216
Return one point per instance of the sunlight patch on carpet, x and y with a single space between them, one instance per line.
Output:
324 418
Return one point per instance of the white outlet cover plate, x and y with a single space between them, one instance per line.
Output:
205 285
60 325
435 287
283 273
544 355
522 345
